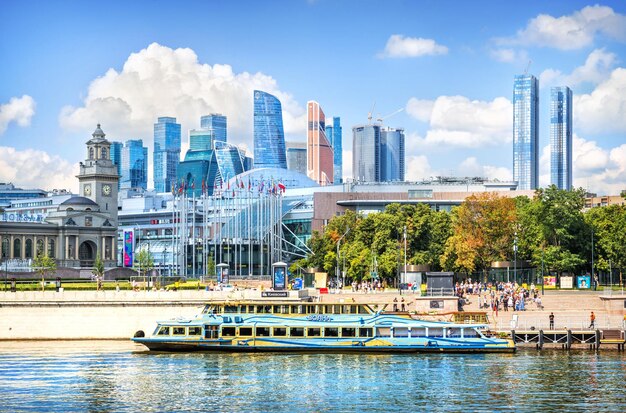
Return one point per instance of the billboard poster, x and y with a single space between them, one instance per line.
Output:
583 281
129 247
279 278
549 281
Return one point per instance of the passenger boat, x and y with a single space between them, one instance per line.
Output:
315 327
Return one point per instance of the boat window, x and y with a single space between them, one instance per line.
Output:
328 309
178 331
164 331
435 332
250 309
245 331
348 332
296 331
347 309
400 332
331 332
230 309
262 331
418 332
242 309
383 332
195 331
363 310
354 309
453 333
297 309
313 332
470 333
210 331
209 309
278 309
263 309
311 309
228 331
365 332
280 331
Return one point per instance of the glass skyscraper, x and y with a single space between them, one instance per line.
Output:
392 155
336 141
526 132
296 157
116 158
166 153
134 165
366 153
269 138
320 156
561 137
216 123
200 139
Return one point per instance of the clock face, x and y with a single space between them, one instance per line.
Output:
87 189
106 189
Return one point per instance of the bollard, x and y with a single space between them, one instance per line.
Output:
540 340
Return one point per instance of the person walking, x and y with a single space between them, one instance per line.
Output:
592 320
403 304
551 317
395 305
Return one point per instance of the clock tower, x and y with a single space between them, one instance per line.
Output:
98 176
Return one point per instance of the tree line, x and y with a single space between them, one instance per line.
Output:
551 229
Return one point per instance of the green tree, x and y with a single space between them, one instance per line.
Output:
98 271
608 225
44 265
144 261
210 266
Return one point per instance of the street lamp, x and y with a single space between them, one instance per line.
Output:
515 257
338 243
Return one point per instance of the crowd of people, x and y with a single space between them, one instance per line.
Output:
500 295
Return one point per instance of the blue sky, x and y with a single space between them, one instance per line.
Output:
448 64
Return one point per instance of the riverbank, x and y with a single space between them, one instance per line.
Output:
89 315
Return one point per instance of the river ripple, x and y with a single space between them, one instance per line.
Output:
120 377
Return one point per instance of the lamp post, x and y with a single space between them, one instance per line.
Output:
338 243
405 254
515 258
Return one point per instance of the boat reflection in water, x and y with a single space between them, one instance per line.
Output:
315 327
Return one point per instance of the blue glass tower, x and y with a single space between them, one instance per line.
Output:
561 137
216 123
134 165
392 155
336 140
526 132
166 153
269 138
229 160
116 158
200 139
366 153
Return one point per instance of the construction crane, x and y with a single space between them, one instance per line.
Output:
382 118
369 114
527 67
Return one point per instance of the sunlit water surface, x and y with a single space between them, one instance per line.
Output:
113 376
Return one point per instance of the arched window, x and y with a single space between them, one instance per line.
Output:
51 248
17 248
103 153
39 247
91 153
6 244
28 253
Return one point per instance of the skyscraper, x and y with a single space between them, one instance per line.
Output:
296 157
200 139
392 155
526 132
336 141
216 123
269 138
166 153
561 137
134 165
319 150
366 153
116 158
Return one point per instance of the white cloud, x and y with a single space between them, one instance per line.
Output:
471 167
572 31
596 69
19 110
399 46
508 55
32 168
160 81
417 168
604 109
460 122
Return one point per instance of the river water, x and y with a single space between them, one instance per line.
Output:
115 376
